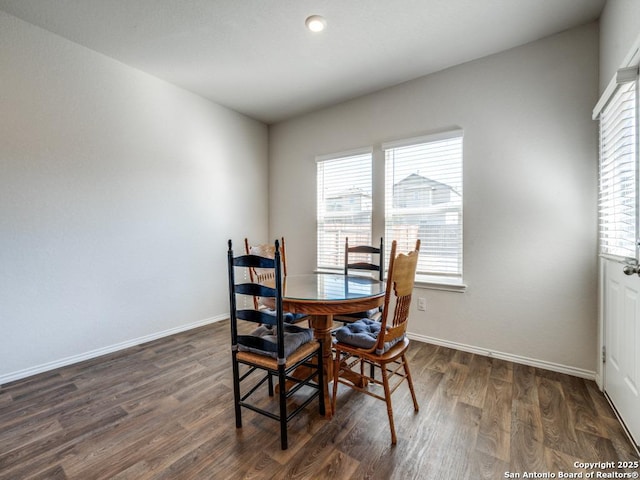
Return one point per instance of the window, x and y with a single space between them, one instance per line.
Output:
423 199
344 205
619 174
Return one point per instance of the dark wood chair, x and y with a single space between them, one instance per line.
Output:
274 349
265 276
361 258
380 344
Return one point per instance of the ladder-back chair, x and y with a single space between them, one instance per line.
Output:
361 258
274 349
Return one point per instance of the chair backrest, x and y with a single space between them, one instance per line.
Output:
367 252
264 275
272 291
267 250
400 280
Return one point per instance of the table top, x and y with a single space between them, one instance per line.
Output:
330 287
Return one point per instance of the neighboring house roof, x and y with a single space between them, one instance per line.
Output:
413 181
351 192
420 181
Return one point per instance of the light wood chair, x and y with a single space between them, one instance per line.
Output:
265 277
355 346
361 258
274 349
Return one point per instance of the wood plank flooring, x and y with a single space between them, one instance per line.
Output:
164 410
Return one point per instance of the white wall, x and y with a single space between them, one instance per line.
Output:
118 192
530 173
619 29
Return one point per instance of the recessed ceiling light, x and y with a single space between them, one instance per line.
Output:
315 23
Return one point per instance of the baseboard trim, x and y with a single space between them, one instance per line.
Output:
599 381
45 367
532 362
555 367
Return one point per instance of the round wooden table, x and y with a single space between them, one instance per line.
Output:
324 295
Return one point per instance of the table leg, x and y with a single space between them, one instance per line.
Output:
321 325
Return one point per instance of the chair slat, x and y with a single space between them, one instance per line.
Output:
255 289
257 316
363 266
364 249
253 261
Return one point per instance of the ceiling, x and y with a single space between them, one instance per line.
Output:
257 57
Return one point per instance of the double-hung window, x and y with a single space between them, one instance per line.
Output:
344 206
423 200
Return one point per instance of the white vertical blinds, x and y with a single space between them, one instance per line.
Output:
423 199
344 206
617 202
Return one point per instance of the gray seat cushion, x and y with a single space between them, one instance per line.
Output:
363 334
288 317
263 340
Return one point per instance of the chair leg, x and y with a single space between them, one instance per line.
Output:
336 371
236 390
410 380
364 380
387 397
270 384
282 386
321 381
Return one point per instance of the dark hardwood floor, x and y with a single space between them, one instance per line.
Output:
164 410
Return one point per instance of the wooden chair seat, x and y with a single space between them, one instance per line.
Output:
272 363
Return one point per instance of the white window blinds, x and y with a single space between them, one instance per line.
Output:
344 206
423 199
619 174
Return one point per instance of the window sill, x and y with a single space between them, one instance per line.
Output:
430 282
320 271
448 284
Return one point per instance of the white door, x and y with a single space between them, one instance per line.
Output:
622 342
619 247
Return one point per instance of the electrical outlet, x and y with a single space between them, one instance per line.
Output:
422 304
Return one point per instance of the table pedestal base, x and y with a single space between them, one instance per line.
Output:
322 325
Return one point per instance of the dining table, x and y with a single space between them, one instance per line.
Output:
323 295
